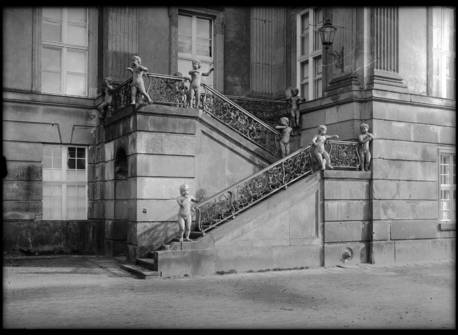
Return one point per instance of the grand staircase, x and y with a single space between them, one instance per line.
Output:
225 206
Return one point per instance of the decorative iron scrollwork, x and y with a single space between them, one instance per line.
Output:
344 154
243 122
162 89
239 197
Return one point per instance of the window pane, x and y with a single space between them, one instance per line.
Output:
304 71
76 202
76 35
76 84
204 28
80 153
317 67
52 201
76 61
51 59
184 25
50 82
71 163
71 152
304 22
207 80
184 66
54 14
80 164
305 44
305 91
318 88
203 47
184 34
184 45
51 32
78 15
450 66
318 21
52 156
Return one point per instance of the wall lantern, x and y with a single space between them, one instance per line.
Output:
327 32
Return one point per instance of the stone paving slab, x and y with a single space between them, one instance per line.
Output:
363 296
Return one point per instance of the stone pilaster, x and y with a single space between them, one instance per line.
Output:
385 50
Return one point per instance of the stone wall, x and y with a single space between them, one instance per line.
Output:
346 216
342 119
29 122
283 231
410 131
166 147
406 177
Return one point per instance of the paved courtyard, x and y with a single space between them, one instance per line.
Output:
93 292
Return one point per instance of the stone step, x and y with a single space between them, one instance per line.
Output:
140 272
147 263
185 245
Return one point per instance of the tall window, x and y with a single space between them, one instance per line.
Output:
195 40
309 64
64 51
443 72
64 183
447 180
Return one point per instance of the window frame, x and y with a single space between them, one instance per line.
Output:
190 56
65 47
433 53
451 187
64 179
311 58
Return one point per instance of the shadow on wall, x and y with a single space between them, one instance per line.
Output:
52 237
158 234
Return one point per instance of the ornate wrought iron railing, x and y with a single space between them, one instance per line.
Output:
243 122
121 95
163 89
344 154
224 205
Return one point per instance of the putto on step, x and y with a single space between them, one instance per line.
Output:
184 212
319 151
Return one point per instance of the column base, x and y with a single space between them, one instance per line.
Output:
388 81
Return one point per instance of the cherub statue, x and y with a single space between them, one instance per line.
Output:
182 90
295 101
196 76
184 212
106 106
318 147
137 79
285 135
364 151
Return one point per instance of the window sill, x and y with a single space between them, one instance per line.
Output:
447 226
48 99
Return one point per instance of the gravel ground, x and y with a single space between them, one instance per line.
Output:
92 292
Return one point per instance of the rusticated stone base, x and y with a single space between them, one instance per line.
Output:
53 237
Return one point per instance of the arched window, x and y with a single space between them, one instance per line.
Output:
121 167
